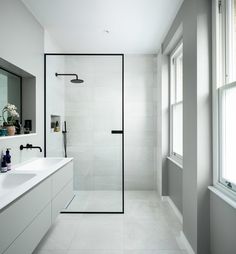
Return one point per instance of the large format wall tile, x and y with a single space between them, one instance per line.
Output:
93 109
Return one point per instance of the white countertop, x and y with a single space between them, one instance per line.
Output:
40 175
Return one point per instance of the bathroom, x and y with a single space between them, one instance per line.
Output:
107 127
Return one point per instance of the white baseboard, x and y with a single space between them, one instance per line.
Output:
183 241
186 243
164 198
174 207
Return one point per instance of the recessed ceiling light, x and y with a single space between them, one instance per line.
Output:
106 31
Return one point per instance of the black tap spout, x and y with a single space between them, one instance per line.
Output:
30 146
38 147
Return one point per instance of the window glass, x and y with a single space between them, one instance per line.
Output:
179 78
230 30
226 93
178 129
176 112
228 134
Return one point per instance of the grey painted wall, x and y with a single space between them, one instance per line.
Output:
172 38
190 123
204 123
194 20
175 186
22 45
223 223
223 226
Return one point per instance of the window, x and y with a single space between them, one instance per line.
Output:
176 103
224 91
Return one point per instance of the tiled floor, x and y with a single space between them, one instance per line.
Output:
147 227
96 201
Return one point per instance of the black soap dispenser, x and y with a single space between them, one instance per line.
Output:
8 159
3 164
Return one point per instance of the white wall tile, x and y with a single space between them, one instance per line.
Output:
107 168
135 109
140 122
139 182
93 109
55 104
107 182
139 167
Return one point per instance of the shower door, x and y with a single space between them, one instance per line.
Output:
93 112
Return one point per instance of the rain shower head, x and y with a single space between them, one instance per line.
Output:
75 80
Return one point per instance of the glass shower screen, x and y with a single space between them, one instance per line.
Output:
93 111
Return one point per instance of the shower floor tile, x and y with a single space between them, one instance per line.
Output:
148 226
95 201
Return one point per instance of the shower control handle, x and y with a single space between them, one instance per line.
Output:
117 132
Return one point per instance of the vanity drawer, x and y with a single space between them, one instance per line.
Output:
26 242
62 199
61 178
16 217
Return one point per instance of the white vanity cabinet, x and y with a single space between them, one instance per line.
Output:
62 189
24 222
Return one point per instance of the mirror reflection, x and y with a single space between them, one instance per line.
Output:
10 91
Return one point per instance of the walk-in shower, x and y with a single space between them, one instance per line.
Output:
91 122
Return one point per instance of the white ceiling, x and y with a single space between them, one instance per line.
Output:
135 26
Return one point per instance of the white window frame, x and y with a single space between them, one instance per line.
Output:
220 83
221 179
178 50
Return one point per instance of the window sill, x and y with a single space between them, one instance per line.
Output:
173 160
223 195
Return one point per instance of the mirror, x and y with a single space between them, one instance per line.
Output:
17 100
10 90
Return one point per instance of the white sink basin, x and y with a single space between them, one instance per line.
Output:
25 176
39 164
11 181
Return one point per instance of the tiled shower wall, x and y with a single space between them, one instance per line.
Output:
93 109
55 104
140 122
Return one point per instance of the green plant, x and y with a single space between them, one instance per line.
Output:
12 114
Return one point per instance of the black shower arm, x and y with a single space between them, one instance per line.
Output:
65 74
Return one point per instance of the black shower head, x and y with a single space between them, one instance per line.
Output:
76 80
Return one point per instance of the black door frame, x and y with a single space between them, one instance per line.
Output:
45 123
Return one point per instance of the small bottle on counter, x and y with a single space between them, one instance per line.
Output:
8 159
3 164
57 127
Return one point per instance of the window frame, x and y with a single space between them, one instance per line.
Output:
177 51
220 83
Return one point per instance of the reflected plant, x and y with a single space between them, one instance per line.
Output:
1 121
12 115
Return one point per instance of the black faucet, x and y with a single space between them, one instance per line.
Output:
30 146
